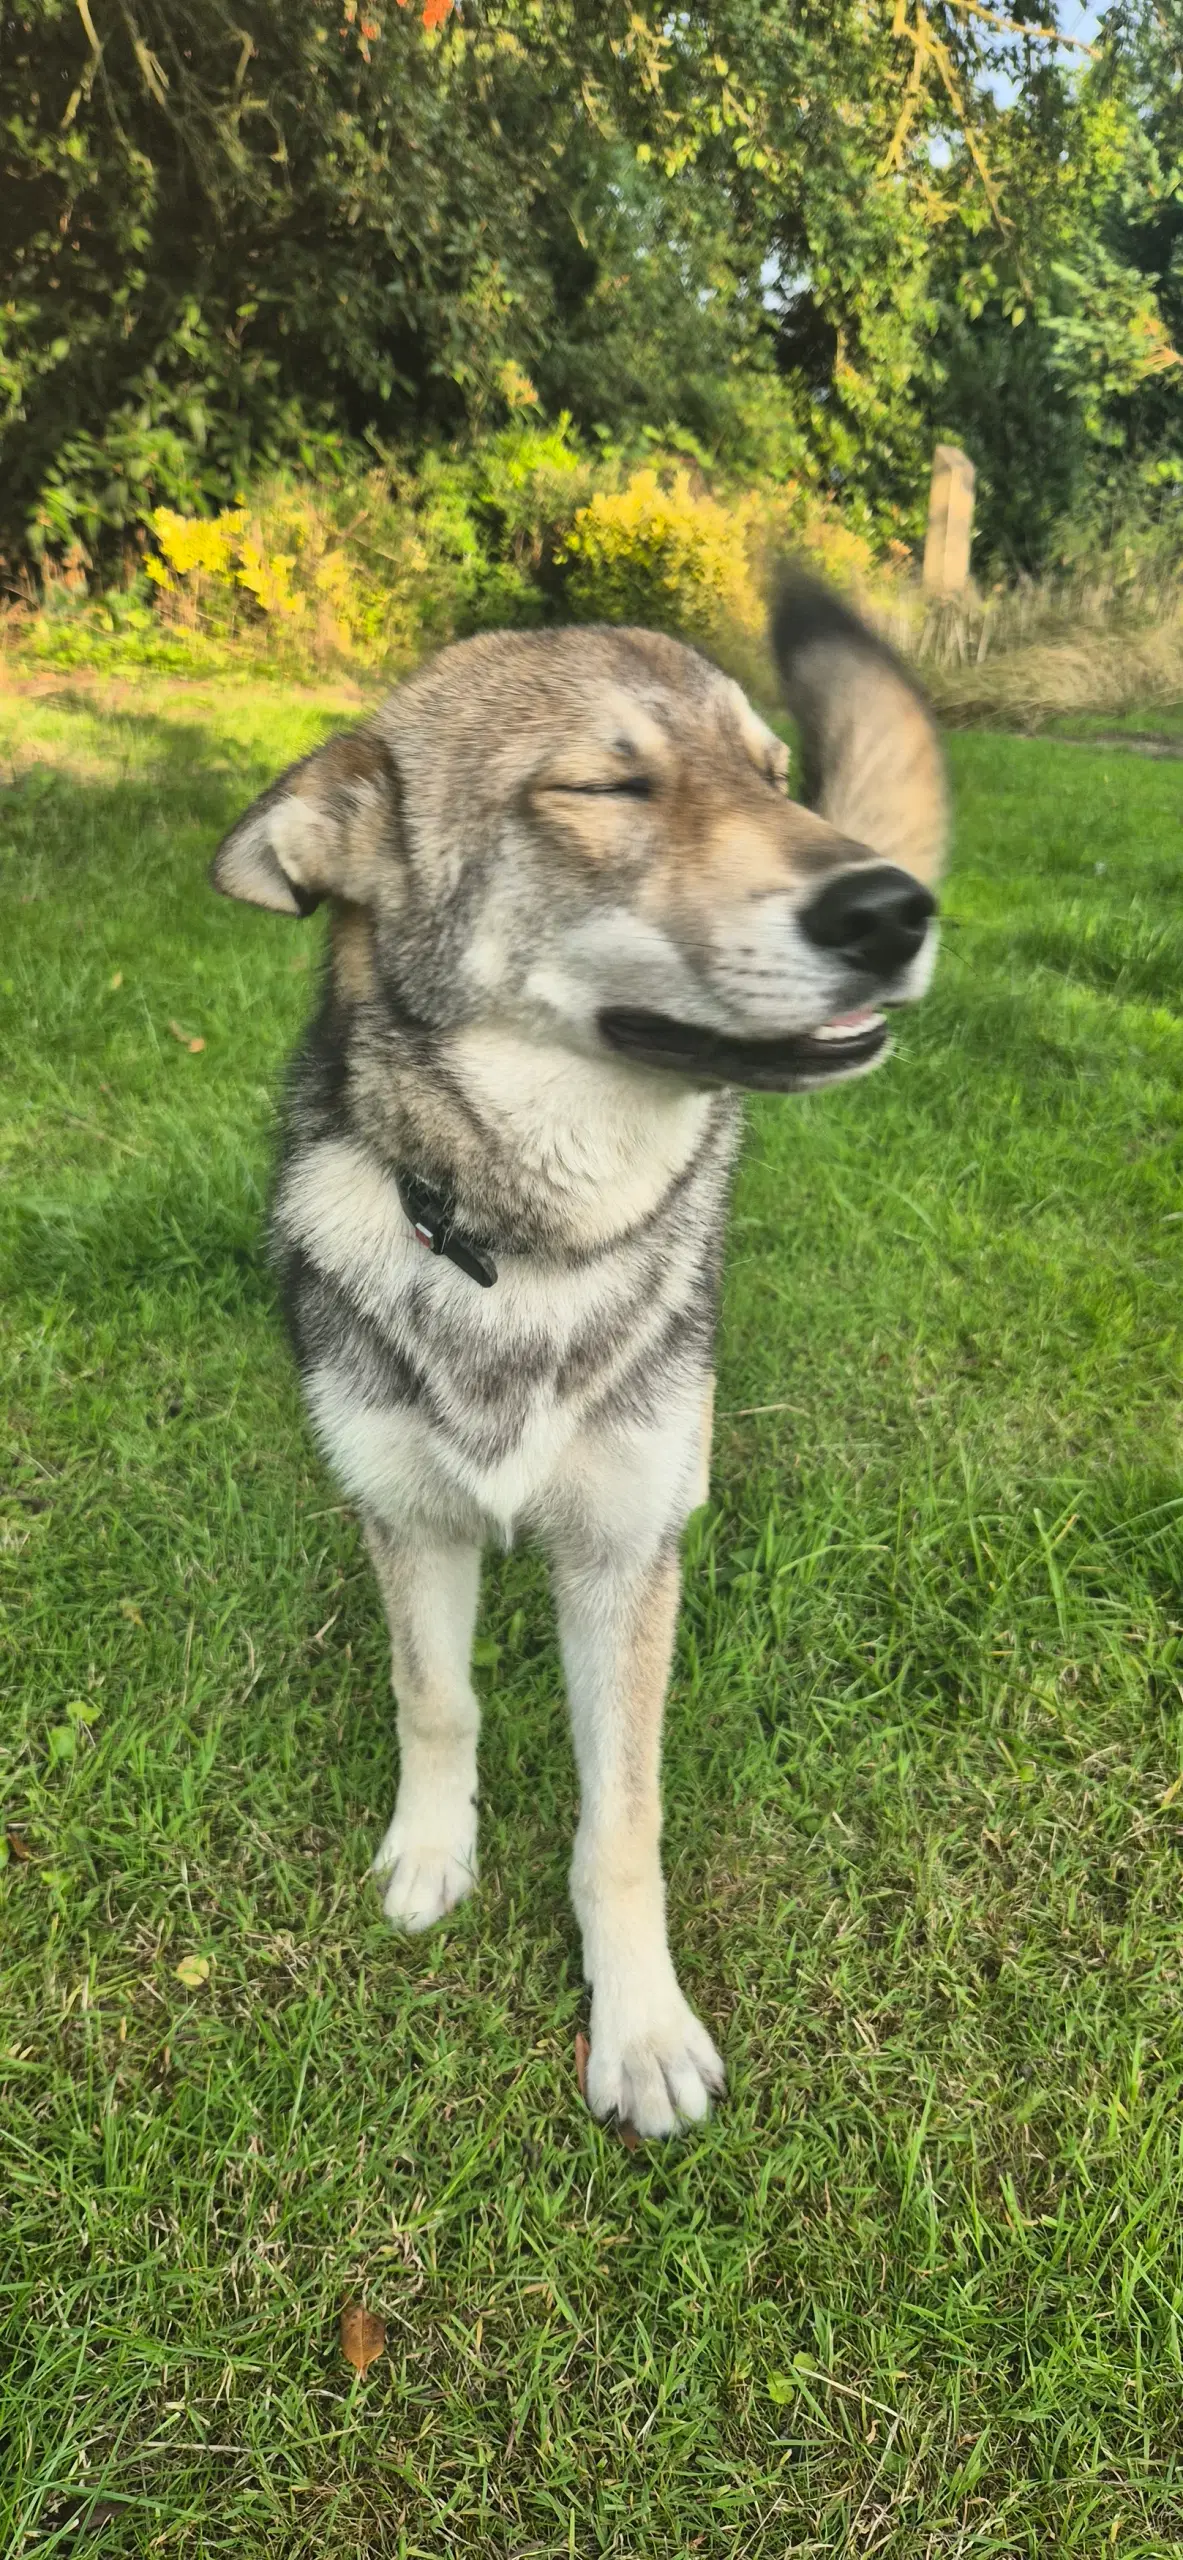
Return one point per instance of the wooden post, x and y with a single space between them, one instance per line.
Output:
950 522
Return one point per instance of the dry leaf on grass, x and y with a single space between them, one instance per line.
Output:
188 1039
116 981
193 1971
363 2336
18 1848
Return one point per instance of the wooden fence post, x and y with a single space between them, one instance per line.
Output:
950 522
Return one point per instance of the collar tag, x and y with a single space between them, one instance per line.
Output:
430 1222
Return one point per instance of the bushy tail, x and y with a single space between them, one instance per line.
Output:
872 758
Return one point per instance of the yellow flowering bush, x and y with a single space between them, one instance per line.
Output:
199 554
284 559
268 578
661 552
193 547
813 527
371 571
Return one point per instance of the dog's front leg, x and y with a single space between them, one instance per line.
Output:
651 2060
427 1860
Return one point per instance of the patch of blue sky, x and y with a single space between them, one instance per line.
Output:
1073 19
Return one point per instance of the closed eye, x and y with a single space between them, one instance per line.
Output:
632 786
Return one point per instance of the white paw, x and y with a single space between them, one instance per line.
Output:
653 2070
426 1866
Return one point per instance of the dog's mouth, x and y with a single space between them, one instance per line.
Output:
794 1064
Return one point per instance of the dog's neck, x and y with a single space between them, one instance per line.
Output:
535 1147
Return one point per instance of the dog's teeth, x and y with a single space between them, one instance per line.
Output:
844 1023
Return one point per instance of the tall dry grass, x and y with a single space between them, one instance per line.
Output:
1091 642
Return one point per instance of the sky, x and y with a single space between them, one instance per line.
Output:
1082 23
1075 19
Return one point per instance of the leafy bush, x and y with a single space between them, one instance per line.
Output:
661 554
369 568
804 234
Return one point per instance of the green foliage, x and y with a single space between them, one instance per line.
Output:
370 570
377 567
654 553
237 241
794 242
1053 357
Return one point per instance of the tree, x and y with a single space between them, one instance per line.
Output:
1053 355
234 234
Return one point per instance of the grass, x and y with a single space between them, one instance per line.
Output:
1099 646
917 2289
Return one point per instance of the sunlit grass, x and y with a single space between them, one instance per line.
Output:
917 2288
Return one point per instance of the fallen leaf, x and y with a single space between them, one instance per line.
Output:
116 981
1171 1793
582 2050
363 2336
630 2137
129 1609
187 1039
20 1848
193 1971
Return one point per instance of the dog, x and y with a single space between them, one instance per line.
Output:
573 910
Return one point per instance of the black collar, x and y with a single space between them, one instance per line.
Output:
430 1216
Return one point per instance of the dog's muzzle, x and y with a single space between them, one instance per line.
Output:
873 921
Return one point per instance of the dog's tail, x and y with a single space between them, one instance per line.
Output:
872 761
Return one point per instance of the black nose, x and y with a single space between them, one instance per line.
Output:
875 917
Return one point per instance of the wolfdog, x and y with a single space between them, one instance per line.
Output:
573 909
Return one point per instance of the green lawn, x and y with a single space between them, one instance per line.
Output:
1158 720
918 2287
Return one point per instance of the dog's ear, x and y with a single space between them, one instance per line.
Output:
872 759
329 828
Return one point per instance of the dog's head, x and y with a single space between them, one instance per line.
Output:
585 837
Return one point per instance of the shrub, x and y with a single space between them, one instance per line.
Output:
368 568
373 569
665 555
